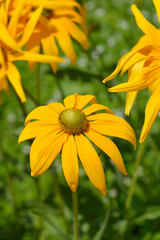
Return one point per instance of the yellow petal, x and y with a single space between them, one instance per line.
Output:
34 129
69 101
44 150
145 26
81 100
50 48
42 113
34 57
15 79
112 125
7 39
157 6
57 107
96 107
66 45
30 26
154 86
123 60
133 73
91 163
70 163
108 147
13 23
151 112
75 32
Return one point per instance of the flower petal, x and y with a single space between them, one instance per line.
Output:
95 107
44 150
133 72
157 6
112 125
34 129
69 101
15 79
13 23
42 113
123 60
81 100
145 26
91 163
57 107
151 112
70 163
30 26
108 147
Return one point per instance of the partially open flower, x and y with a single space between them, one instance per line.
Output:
69 128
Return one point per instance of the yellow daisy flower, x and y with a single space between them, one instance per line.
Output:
68 128
11 42
143 65
58 22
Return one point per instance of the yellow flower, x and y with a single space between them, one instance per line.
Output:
12 39
58 22
68 128
143 65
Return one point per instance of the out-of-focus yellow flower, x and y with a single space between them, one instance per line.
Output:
12 39
143 65
69 127
58 22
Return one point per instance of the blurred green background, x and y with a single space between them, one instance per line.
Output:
41 208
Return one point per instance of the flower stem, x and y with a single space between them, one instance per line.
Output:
75 213
135 175
31 96
38 83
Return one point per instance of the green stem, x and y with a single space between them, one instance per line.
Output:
60 201
31 96
75 213
38 83
101 232
22 106
135 175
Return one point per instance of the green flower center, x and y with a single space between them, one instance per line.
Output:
73 121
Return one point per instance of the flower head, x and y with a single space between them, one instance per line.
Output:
143 65
12 39
58 22
69 128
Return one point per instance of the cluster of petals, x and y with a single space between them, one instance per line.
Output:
143 65
44 125
57 22
28 24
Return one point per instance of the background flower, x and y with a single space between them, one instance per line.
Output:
143 65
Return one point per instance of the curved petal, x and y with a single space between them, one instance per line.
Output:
69 101
44 150
145 26
123 60
15 79
81 100
66 45
70 163
96 107
133 72
30 26
57 107
157 6
35 57
34 129
91 163
112 125
13 23
151 112
42 113
108 147
143 80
